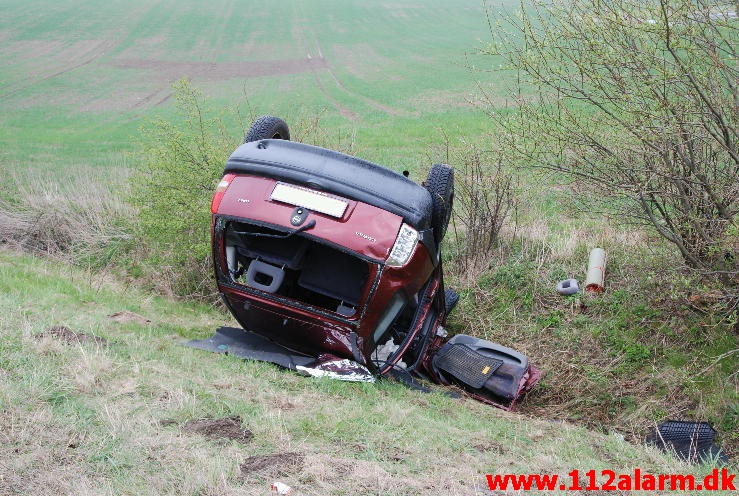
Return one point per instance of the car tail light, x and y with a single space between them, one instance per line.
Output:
404 246
220 191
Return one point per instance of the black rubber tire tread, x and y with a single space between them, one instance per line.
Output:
267 127
451 298
440 183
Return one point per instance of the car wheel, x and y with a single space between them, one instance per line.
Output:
451 298
267 127
440 183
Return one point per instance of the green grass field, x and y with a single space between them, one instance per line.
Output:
77 79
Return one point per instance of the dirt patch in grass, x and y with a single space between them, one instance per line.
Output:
165 70
274 465
358 476
125 317
489 446
222 428
67 335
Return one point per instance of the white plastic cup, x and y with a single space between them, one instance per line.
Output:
280 488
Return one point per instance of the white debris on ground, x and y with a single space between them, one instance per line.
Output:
341 370
278 487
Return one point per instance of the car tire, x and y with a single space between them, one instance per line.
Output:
440 183
451 298
267 127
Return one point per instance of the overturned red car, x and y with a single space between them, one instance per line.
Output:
322 256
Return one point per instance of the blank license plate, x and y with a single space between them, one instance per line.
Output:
309 199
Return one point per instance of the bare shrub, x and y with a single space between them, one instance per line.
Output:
483 198
636 102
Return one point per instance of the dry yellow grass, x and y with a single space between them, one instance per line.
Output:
74 218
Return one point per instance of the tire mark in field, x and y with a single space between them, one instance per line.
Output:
397 112
138 109
97 51
299 36
222 23
344 111
148 98
367 100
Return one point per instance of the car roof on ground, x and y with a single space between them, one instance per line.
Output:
337 173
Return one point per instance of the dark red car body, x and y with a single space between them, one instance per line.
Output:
364 229
319 283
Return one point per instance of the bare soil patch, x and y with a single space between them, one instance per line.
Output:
222 428
125 317
67 335
490 446
274 465
164 70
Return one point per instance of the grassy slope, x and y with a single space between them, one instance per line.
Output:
646 350
85 419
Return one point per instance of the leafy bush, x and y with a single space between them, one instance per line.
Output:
180 164
172 186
